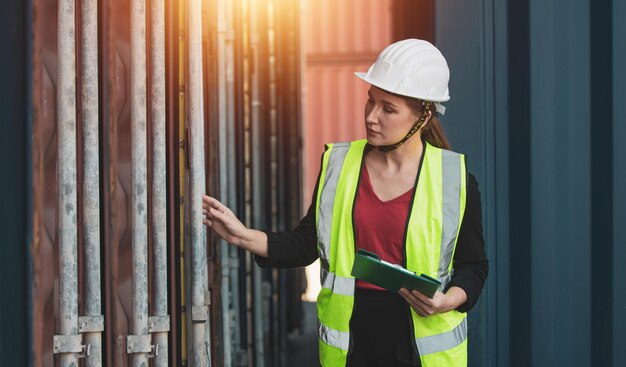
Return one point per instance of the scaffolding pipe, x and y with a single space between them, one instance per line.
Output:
257 192
138 344
277 316
231 166
199 288
93 324
232 178
226 265
160 326
66 188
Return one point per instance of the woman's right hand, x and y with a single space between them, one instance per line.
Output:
222 221
226 225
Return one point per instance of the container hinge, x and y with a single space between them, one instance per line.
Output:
90 324
141 344
158 324
199 313
70 344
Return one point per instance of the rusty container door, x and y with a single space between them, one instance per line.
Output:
260 131
115 181
44 249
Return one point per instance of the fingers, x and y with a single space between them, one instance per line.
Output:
213 215
212 209
419 302
422 297
209 202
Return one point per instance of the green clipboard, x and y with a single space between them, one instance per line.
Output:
369 267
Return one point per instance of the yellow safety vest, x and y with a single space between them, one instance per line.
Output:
436 212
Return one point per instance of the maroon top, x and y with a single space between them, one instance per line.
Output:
379 225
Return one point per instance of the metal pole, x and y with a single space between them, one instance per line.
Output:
199 288
138 344
160 323
277 276
231 160
257 178
226 264
93 323
66 188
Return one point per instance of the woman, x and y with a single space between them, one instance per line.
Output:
401 194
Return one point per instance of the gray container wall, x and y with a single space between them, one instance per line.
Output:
537 101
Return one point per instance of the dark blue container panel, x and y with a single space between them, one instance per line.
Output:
459 35
14 183
619 182
560 183
539 105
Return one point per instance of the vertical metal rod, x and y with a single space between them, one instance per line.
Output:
159 187
199 278
139 176
91 180
277 316
226 264
66 171
232 178
257 184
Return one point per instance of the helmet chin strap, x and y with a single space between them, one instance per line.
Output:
418 125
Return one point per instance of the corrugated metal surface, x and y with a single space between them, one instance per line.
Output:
552 214
44 249
15 185
276 205
544 86
341 37
118 181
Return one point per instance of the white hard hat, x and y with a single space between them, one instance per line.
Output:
413 68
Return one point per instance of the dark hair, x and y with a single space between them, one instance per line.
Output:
432 132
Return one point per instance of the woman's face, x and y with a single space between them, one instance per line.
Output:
387 117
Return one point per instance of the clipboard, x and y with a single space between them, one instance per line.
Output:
369 267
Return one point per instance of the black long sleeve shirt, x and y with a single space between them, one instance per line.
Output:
298 247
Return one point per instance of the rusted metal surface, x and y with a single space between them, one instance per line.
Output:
44 246
117 96
66 178
118 186
91 177
159 178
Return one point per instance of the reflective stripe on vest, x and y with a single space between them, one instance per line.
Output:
444 341
328 187
334 338
339 285
434 220
451 174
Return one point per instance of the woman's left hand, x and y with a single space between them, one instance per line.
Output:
440 303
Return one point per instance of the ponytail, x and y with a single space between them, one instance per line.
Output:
432 132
